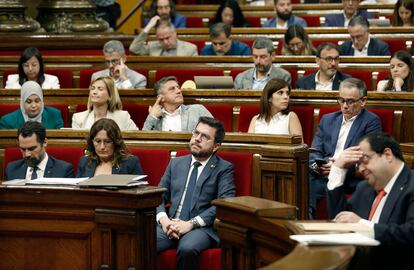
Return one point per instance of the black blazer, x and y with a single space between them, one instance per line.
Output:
376 47
131 165
308 82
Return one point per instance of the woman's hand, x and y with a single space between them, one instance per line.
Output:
398 83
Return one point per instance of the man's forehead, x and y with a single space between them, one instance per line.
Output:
112 55
170 84
260 52
205 129
329 51
32 138
348 91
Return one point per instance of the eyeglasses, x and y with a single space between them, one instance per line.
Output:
330 59
295 45
104 142
348 102
113 61
366 158
203 137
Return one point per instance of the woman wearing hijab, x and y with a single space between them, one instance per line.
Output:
32 108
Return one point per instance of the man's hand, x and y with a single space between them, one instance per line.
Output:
156 109
349 156
398 83
165 223
347 217
179 228
151 24
325 168
121 69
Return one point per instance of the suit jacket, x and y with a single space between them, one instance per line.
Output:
153 48
85 120
308 82
189 118
51 119
131 165
396 223
376 47
51 82
54 168
244 80
292 21
237 48
136 80
215 181
338 20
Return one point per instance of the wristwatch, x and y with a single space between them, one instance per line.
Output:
195 223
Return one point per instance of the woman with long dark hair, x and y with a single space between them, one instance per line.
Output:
401 77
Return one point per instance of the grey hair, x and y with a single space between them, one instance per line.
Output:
114 46
161 82
264 43
218 28
359 20
355 83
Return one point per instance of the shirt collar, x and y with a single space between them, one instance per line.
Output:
176 112
390 183
267 74
365 47
43 163
317 77
203 163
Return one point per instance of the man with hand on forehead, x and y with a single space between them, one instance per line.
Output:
115 59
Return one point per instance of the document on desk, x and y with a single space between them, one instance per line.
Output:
335 239
115 180
332 227
56 181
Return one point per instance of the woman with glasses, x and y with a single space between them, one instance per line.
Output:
275 116
31 69
403 13
401 77
106 152
103 102
296 42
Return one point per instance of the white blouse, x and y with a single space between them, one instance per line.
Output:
279 125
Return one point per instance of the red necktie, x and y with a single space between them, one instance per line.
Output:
377 200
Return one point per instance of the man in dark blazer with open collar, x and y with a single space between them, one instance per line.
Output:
391 221
188 224
350 10
327 77
32 142
338 131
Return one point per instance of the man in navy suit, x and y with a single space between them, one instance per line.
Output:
284 17
35 163
384 202
188 224
328 77
351 9
361 44
338 131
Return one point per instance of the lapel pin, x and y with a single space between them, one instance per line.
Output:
401 188
212 165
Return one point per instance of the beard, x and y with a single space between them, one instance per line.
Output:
201 154
262 68
32 161
284 16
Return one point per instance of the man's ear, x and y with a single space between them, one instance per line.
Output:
45 143
124 59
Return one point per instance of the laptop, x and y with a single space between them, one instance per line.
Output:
383 22
214 82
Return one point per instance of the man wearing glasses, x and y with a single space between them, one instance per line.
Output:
384 202
351 9
115 59
192 182
328 77
336 132
361 44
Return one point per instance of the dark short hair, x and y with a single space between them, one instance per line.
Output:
161 82
26 55
218 28
326 46
32 127
214 123
378 141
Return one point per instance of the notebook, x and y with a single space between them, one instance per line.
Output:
214 82
114 180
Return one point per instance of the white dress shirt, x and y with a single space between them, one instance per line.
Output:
364 51
343 135
171 121
323 86
41 168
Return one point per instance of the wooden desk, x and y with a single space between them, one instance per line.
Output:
71 228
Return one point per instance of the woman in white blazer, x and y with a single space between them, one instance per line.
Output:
31 69
103 102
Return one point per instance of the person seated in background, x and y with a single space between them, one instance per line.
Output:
106 152
109 10
275 116
350 10
296 42
165 9
328 77
167 44
168 112
361 44
401 77
229 12
103 102
192 182
256 78
337 131
36 163
115 59
403 13
222 44
31 68
284 17
383 203
32 108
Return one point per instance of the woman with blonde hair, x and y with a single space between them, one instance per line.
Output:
103 102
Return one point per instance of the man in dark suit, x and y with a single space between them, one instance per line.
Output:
338 131
328 77
351 9
361 44
35 163
384 203
192 182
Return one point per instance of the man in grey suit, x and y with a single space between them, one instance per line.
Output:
256 78
167 44
168 112
115 59
192 182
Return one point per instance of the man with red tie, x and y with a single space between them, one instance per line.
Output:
384 203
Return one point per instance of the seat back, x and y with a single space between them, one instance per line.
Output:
254 21
245 116
183 75
224 113
153 162
305 115
85 75
68 154
382 75
363 75
312 20
396 44
194 22
65 76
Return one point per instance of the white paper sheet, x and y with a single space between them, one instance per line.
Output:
335 239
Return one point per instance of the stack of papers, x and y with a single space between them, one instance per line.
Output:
335 239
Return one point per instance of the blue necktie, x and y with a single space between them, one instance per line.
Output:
185 210
34 174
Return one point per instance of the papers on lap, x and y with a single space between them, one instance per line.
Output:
335 239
